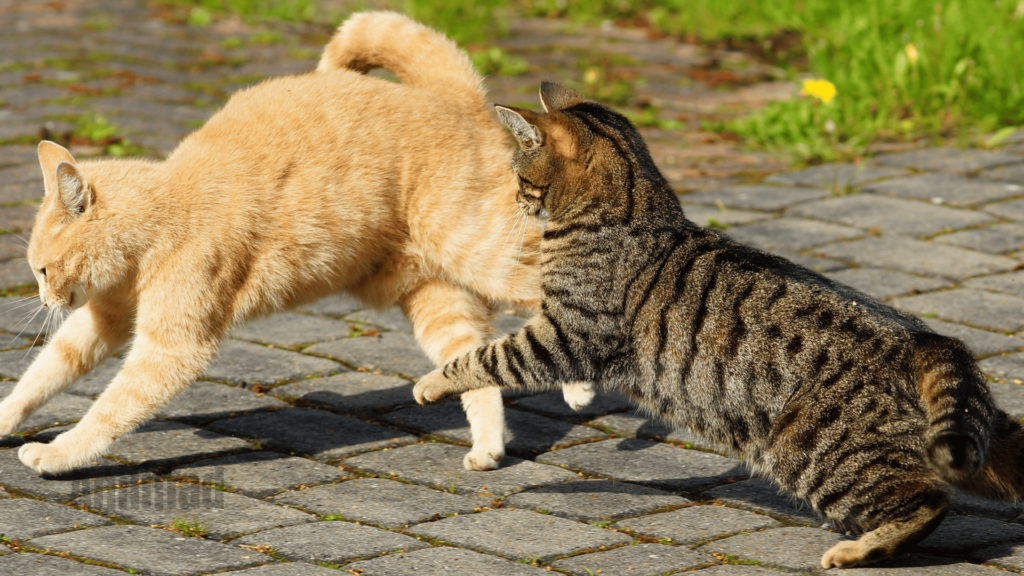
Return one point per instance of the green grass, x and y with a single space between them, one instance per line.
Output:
193 527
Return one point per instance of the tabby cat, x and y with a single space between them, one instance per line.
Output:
299 187
855 407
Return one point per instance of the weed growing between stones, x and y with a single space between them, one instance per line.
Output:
193 527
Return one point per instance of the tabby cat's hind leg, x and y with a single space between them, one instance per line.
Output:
921 507
448 322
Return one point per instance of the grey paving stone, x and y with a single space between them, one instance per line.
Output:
604 401
945 189
890 215
164 443
386 503
318 433
798 549
390 353
519 534
336 306
332 542
981 342
704 215
691 526
1009 283
965 534
1009 173
968 306
919 257
442 561
885 284
649 463
1011 209
13 363
360 394
18 218
531 434
24 173
43 565
391 319
207 401
972 505
222 513
793 234
756 197
1005 556
151 551
290 329
254 364
948 159
635 424
813 261
738 570
288 569
997 239
918 565
16 273
835 176
21 316
1008 396
99 475
761 495
505 324
259 474
440 465
595 500
61 409
638 560
24 518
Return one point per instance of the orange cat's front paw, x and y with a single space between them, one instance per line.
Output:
51 458
433 387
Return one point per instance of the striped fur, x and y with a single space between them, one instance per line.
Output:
853 406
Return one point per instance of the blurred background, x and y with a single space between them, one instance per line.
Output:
725 91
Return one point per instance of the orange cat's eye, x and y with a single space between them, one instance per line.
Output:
42 271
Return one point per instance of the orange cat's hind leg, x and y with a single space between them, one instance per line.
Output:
449 322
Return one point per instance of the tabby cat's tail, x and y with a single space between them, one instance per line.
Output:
419 56
1002 476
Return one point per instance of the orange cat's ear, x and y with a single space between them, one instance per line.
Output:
73 189
526 134
50 155
556 98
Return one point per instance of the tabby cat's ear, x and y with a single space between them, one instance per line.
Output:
526 134
556 98
73 189
50 155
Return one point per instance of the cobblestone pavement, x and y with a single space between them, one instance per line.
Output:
301 451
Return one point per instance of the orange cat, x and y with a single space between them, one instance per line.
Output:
300 187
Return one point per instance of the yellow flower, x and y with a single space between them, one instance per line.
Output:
821 89
912 54
592 75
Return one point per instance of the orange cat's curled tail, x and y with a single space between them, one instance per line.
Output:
419 56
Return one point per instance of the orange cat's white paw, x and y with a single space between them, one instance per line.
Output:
53 458
432 388
483 459
844 555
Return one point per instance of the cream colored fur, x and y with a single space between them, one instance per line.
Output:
300 187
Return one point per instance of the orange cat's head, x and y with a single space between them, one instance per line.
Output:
56 252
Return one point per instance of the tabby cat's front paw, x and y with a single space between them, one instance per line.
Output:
53 458
432 388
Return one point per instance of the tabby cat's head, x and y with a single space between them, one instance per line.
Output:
55 251
577 148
